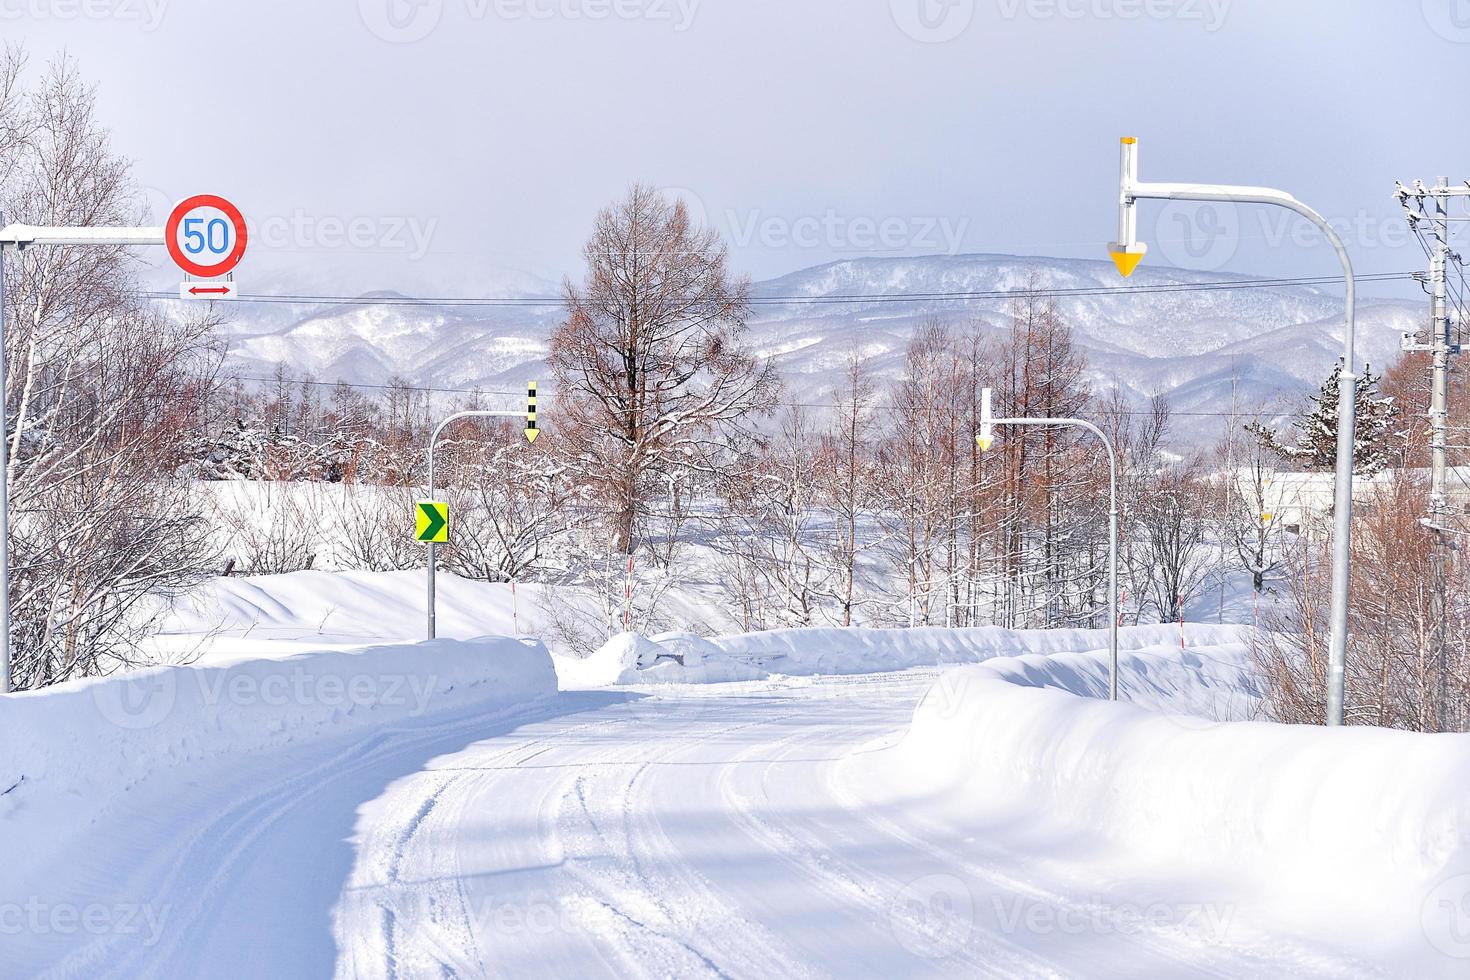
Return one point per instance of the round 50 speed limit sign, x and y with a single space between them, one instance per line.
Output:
205 235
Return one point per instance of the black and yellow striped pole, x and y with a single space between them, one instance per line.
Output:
531 432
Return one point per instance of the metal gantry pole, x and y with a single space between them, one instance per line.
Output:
1126 254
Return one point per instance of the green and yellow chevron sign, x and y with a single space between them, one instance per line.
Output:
431 521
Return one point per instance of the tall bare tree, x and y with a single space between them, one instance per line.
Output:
650 362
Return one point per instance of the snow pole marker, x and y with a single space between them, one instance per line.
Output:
628 599
1181 621
515 615
531 431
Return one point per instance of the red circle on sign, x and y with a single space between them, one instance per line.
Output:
171 232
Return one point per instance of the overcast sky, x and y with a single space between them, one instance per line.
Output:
448 144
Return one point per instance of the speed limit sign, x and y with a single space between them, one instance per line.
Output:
205 235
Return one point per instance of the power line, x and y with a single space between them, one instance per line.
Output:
521 392
305 299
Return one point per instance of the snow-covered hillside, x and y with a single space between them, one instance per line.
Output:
1190 342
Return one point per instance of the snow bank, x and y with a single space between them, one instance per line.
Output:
1355 832
264 615
1217 652
66 750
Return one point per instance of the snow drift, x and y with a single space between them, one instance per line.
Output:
1290 819
67 750
1215 660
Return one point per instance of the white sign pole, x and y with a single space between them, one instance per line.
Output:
21 237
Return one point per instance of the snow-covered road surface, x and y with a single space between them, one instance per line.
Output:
683 831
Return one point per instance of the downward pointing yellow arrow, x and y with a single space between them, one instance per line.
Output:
531 431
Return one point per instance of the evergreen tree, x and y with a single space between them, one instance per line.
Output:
1315 445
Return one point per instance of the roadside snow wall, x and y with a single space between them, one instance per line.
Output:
71 747
1366 827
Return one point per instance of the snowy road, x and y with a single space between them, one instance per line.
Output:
693 832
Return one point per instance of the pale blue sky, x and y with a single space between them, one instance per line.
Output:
805 129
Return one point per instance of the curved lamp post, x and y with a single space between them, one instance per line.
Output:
1128 251
531 432
986 437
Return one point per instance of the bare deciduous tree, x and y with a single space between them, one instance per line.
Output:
649 362
100 391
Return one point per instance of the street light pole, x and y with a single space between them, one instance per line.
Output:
433 441
985 438
1126 254
4 495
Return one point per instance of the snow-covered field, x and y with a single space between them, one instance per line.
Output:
318 793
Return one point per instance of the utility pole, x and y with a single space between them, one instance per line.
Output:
1429 207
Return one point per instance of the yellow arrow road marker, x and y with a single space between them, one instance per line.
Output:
1126 258
531 431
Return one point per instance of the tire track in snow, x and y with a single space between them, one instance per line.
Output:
861 888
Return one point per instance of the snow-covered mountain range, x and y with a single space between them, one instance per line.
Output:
1190 342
